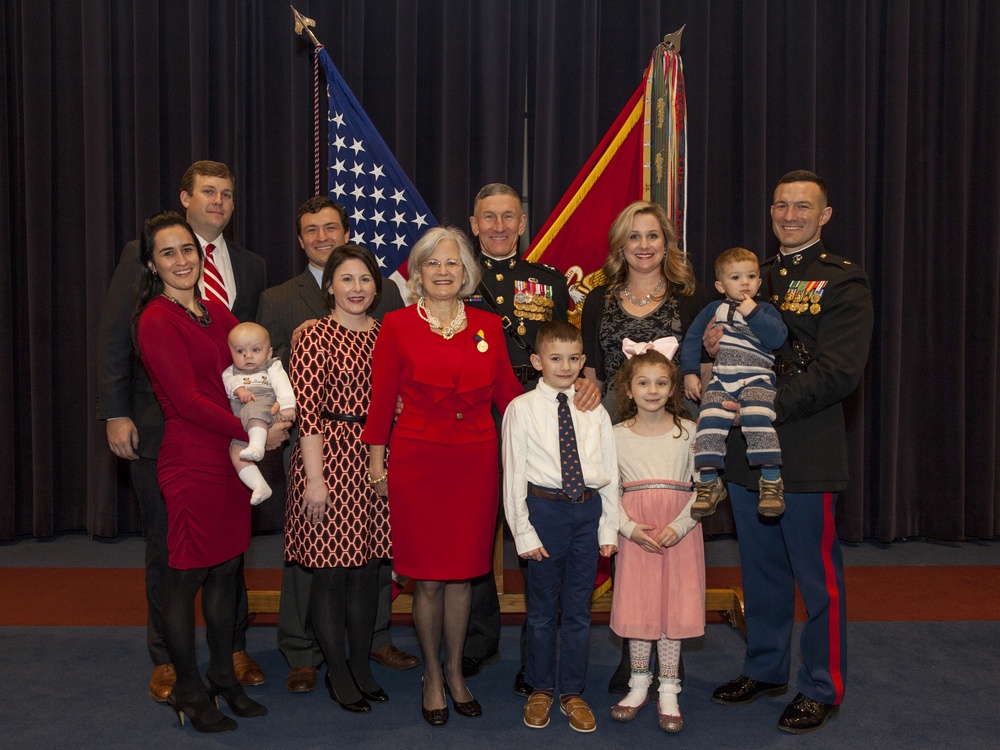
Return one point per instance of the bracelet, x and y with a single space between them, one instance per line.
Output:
373 482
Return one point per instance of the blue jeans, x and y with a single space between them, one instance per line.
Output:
568 532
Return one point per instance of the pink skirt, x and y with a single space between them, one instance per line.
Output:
664 594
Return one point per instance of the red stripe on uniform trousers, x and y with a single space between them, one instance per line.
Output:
830 575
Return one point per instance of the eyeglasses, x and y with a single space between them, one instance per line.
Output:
451 264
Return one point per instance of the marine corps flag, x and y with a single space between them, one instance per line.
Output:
642 157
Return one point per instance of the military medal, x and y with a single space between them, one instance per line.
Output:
521 330
481 344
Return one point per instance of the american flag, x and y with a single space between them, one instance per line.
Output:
387 213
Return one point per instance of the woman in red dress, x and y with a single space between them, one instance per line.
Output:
335 524
449 365
183 342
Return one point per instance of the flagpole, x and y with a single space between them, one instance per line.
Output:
302 24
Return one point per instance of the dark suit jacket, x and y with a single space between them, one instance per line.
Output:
285 307
124 389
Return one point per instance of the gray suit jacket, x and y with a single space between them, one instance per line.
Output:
124 389
285 307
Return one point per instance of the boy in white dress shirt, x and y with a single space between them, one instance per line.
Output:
561 502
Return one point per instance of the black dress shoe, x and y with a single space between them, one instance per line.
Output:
357 707
436 717
521 686
473 665
378 695
746 690
804 715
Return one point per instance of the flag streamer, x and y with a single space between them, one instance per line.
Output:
643 156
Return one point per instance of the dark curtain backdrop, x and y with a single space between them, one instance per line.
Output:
105 104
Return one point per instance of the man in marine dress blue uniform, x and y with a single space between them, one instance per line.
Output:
525 295
826 304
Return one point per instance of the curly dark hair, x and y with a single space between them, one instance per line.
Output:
625 407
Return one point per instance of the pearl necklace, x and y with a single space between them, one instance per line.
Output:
204 320
642 302
447 331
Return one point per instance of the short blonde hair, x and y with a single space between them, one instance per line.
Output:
424 249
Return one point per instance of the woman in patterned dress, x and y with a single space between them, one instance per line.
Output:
335 524
650 292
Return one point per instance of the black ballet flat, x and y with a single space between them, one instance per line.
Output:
236 698
204 716
357 707
470 709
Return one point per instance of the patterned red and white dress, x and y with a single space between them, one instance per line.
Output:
330 370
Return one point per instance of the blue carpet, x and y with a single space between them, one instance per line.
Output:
911 685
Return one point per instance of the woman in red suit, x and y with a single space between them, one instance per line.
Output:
183 344
449 365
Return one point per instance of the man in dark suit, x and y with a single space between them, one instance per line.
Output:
134 419
285 310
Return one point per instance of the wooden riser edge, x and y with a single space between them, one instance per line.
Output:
729 601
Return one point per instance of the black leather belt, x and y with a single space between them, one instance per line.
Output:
550 494
344 417
526 373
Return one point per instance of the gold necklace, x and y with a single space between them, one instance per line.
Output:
447 331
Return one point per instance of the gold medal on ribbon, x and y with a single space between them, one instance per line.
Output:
814 308
482 346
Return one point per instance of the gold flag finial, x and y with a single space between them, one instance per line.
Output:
673 41
302 24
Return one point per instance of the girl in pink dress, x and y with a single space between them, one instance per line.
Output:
659 593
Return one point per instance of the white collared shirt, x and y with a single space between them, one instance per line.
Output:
531 454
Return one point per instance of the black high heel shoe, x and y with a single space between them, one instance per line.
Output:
470 709
358 707
204 715
436 717
239 702
378 695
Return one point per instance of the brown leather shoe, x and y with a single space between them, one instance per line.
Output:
536 710
248 672
301 679
391 657
581 718
162 682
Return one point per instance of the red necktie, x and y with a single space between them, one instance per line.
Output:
569 455
215 287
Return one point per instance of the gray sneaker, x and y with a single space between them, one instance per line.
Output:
710 494
772 498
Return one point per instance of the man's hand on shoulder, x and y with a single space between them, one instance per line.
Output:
588 395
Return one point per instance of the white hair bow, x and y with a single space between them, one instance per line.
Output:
667 346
